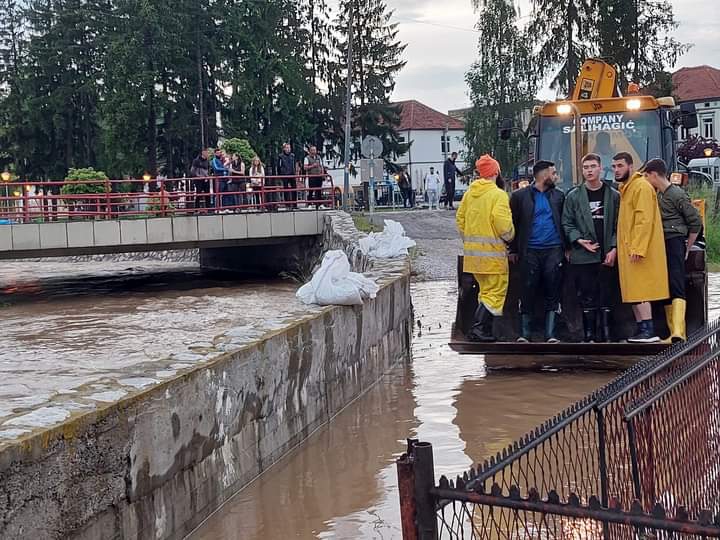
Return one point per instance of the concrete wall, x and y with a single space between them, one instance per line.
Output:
117 236
156 464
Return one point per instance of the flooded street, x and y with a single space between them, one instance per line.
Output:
342 482
71 344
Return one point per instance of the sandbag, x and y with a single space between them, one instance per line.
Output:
334 284
388 244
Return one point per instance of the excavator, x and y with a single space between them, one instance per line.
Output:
596 118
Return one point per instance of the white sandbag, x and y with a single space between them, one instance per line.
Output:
388 244
335 284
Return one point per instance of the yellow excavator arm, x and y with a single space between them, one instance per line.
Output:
597 79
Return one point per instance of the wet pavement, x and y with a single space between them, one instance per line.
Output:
69 345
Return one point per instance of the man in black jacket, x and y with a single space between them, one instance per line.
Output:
450 172
286 168
539 246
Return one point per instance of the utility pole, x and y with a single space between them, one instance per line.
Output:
348 109
200 90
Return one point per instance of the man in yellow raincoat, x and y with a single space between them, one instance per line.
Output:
641 247
485 222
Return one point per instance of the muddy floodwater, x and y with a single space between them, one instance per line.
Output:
70 344
76 336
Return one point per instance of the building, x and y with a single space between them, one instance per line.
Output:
434 137
700 85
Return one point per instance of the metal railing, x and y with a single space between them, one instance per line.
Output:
126 199
648 443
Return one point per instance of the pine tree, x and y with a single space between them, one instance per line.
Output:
635 36
377 59
562 32
501 83
13 45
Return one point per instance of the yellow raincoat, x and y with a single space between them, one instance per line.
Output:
640 232
485 222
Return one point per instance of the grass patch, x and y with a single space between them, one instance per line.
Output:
362 223
712 227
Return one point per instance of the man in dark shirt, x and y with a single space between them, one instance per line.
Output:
539 247
681 226
590 226
450 172
200 170
286 168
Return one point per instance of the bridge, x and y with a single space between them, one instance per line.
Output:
235 220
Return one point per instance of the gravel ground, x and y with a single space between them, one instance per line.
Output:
437 240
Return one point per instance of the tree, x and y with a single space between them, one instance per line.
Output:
377 59
561 31
635 36
501 84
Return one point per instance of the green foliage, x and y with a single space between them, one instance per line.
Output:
501 85
75 176
241 147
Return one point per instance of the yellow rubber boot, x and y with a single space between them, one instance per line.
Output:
669 319
679 332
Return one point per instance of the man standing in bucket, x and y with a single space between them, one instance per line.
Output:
641 247
681 226
590 226
485 222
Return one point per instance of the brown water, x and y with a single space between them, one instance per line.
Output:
342 482
70 344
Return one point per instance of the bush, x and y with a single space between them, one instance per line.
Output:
84 175
241 147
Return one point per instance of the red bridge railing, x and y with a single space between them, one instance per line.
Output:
128 199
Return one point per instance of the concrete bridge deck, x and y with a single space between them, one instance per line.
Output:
68 238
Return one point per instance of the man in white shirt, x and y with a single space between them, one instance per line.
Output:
433 184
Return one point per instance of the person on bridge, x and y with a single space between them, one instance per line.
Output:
485 223
314 168
220 169
432 188
450 172
589 222
200 170
681 227
641 247
286 167
539 246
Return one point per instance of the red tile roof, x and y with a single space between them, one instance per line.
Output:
415 115
697 83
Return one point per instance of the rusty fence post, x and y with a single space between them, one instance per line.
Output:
406 489
424 482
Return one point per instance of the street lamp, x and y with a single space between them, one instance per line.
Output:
708 152
147 177
5 176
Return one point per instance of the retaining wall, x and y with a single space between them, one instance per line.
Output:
155 464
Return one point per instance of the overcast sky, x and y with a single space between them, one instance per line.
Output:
442 45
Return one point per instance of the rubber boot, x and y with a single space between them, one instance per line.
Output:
678 329
589 324
550 320
605 318
481 331
524 328
669 319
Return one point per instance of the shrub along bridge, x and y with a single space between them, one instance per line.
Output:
638 458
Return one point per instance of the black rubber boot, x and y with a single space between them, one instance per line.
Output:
589 325
524 328
550 320
605 317
482 326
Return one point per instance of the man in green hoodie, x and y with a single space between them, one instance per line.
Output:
590 225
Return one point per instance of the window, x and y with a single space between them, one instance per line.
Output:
709 127
445 144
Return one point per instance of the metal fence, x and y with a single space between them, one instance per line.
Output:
118 199
616 464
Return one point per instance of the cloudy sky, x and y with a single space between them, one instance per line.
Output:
442 45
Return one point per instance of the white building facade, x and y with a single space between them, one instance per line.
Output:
700 85
434 137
